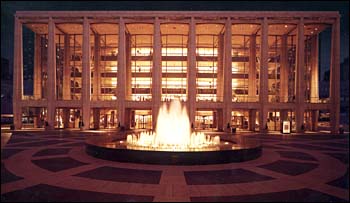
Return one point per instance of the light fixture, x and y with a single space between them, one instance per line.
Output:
285 26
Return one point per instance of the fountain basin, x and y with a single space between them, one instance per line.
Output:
230 149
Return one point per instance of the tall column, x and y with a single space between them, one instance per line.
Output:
51 76
220 120
314 69
128 67
314 81
127 118
96 117
37 67
17 75
191 72
156 72
121 73
252 118
335 76
284 115
284 70
227 75
66 117
300 77
220 74
252 70
132 119
215 119
263 92
66 70
86 84
97 70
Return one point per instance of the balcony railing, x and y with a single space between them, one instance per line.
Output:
33 97
239 98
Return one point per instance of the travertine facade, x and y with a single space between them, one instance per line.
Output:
115 68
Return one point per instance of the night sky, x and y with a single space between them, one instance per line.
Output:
8 9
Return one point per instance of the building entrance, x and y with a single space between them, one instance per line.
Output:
239 119
206 120
141 119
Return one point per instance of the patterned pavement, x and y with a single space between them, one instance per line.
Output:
53 166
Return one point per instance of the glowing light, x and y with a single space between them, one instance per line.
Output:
234 82
173 133
114 68
114 81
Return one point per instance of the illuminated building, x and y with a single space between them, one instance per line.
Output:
105 69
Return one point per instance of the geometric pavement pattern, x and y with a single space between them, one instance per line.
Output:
53 166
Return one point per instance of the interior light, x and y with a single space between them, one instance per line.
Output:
114 68
285 26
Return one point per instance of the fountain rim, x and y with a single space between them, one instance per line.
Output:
250 149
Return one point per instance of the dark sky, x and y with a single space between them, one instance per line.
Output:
8 8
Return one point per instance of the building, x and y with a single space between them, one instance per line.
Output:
107 69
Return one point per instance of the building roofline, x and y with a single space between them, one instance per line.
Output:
242 14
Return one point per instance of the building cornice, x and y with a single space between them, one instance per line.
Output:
179 14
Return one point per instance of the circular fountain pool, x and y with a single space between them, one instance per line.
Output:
173 142
230 149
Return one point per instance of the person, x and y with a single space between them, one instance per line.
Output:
46 125
341 129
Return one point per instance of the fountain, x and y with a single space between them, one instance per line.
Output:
173 133
173 142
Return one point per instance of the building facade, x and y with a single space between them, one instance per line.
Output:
107 69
